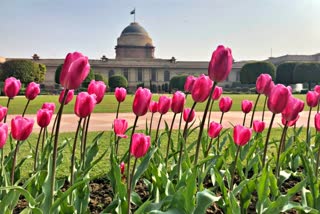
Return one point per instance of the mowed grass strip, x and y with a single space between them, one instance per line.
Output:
109 103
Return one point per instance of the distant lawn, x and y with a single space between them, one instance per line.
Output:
109 103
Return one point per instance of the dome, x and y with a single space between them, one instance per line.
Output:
135 28
134 35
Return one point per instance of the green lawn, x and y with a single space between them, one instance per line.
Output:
109 103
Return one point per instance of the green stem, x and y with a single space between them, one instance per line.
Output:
209 116
308 129
264 107
36 152
244 119
284 131
209 147
73 156
151 123
318 159
157 133
128 168
267 140
82 154
218 141
117 145
118 110
185 130
85 139
235 167
5 117
254 109
14 162
43 139
25 108
169 137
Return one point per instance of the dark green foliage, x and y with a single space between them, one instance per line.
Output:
57 74
117 81
308 72
87 80
100 77
177 83
250 71
285 72
140 84
25 70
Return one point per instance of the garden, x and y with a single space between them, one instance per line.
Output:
201 167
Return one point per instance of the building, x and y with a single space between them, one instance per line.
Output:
136 60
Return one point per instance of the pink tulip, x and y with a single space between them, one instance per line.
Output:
164 104
262 83
290 89
225 104
220 64
258 126
188 85
74 70
214 129
44 117
217 92
3 134
120 127
268 90
120 94
21 128
201 88
241 135
140 145
246 106
141 101
3 112
11 87
278 99
178 101
317 89
50 106
32 91
69 96
293 108
290 123
122 166
153 107
85 104
312 98
186 113
98 88
317 122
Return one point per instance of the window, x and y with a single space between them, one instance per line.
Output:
166 76
140 74
153 75
126 73
111 73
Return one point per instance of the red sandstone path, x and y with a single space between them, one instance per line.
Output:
103 121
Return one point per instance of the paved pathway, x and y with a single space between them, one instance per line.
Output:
103 121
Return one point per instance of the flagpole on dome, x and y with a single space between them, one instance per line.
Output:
134 14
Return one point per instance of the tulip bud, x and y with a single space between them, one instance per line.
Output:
220 64
140 145
69 96
262 83
269 88
178 101
85 104
141 101
3 134
98 88
186 113
11 87
217 92
44 117
122 166
188 85
49 106
225 104
74 70
21 128
201 88
312 98
278 98
120 94
293 108
258 126
32 91
120 127
246 106
3 112
291 122
317 122
241 135
153 107
164 104
214 129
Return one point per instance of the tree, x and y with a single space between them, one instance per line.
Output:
285 71
24 70
57 74
177 82
100 77
308 72
250 71
117 81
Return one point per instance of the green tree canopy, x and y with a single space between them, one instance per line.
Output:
308 72
285 71
250 71
117 81
177 82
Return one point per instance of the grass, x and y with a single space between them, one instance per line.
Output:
109 103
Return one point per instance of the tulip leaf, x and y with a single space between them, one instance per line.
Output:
204 199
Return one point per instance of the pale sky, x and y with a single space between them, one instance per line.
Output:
185 29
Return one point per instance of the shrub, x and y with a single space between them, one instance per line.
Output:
177 82
250 71
284 73
117 81
307 73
